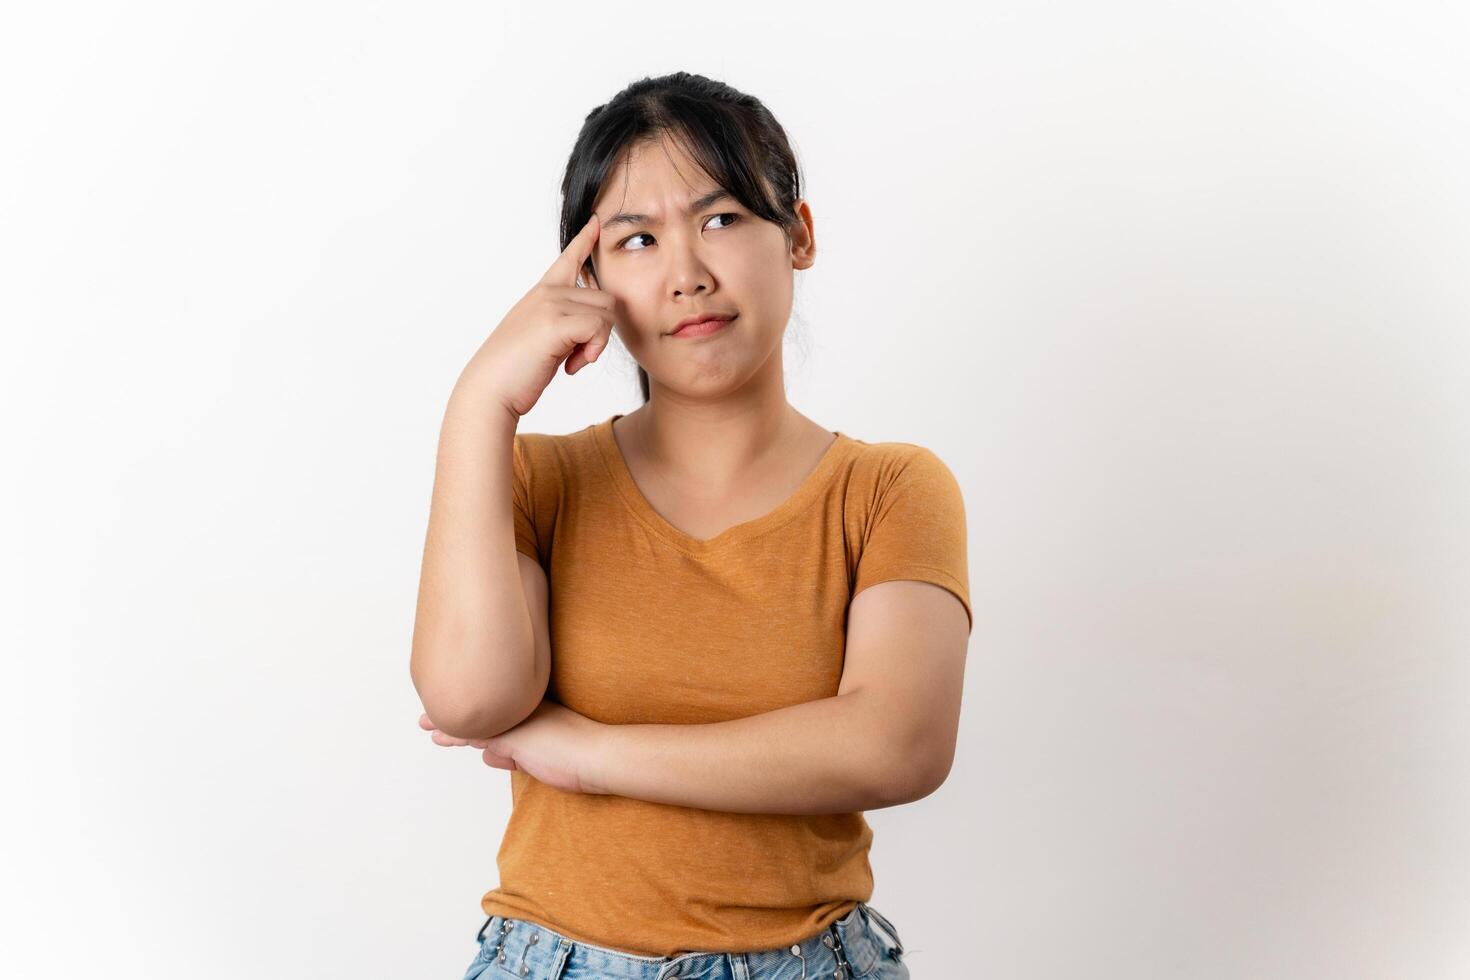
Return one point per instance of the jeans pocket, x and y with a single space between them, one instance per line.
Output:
885 933
480 963
893 968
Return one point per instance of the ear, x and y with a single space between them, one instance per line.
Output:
803 238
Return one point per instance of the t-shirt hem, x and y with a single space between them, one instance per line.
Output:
921 573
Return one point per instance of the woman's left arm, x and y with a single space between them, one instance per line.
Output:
886 738
814 757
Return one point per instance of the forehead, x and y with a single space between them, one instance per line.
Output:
647 176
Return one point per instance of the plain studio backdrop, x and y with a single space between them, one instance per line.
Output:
1179 292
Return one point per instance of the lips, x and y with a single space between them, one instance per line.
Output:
702 324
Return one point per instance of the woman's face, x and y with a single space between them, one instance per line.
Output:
666 263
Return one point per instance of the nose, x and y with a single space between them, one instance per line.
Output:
688 274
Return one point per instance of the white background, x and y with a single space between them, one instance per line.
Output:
1179 291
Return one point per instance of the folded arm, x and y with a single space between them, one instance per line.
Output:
885 739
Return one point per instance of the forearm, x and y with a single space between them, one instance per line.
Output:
824 756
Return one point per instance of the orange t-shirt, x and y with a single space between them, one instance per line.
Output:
651 626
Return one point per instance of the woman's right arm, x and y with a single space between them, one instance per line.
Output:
481 655
474 657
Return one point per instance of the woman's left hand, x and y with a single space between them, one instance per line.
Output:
554 744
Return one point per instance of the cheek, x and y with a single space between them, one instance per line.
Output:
635 318
767 285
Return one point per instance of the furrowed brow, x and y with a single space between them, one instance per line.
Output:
698 204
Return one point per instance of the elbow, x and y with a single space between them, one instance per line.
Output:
915 773
930 783
476 711
459 718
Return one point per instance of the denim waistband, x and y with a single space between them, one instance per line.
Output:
848 947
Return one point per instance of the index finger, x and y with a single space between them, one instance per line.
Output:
568 264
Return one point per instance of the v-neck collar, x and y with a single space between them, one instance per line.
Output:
812 486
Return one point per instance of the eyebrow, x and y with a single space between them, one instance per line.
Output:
698 204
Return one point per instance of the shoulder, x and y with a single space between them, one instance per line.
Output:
542 444
882 466
899 488
556 452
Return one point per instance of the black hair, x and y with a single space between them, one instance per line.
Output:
732 136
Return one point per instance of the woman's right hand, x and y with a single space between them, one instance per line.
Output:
556 321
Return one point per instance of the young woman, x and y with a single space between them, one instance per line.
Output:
703 636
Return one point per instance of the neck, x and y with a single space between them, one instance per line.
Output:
712 444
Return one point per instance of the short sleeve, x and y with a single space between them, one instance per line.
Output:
916 529
521 501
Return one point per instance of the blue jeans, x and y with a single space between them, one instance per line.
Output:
850 947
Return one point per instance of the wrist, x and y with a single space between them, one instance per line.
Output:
476 401
602 748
